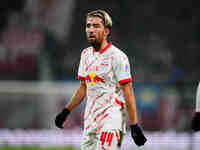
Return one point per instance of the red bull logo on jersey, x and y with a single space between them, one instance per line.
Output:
92 78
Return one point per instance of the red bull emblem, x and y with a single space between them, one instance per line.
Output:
92 78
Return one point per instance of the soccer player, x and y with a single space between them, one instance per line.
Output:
105 83
196 118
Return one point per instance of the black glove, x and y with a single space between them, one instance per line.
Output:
137 135
196 122
61 117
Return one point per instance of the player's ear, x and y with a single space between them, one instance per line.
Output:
107 31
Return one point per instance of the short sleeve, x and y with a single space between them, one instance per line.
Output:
122 69
81 72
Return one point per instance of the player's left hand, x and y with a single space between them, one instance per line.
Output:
196 122
137 135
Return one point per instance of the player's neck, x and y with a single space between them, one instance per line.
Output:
101 46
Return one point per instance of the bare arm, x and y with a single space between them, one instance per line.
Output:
78 97
130 102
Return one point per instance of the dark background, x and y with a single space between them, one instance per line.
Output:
42 40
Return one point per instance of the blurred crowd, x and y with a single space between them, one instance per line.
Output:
39 36
42 40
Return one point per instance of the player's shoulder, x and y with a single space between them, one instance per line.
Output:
118 52
86 50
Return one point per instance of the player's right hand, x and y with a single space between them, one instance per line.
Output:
196 122
61 117
137 135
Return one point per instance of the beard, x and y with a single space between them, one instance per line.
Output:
94 43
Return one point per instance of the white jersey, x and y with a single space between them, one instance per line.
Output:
198 98
103 72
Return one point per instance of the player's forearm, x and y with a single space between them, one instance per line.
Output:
198 99
77 98
130 103
131 108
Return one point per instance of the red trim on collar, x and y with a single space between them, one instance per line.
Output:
104 49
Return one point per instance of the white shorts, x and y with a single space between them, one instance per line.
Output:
104 140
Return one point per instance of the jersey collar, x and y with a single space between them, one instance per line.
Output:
104 49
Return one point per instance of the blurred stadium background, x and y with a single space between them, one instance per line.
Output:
40 45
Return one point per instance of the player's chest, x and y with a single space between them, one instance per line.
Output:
98 64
